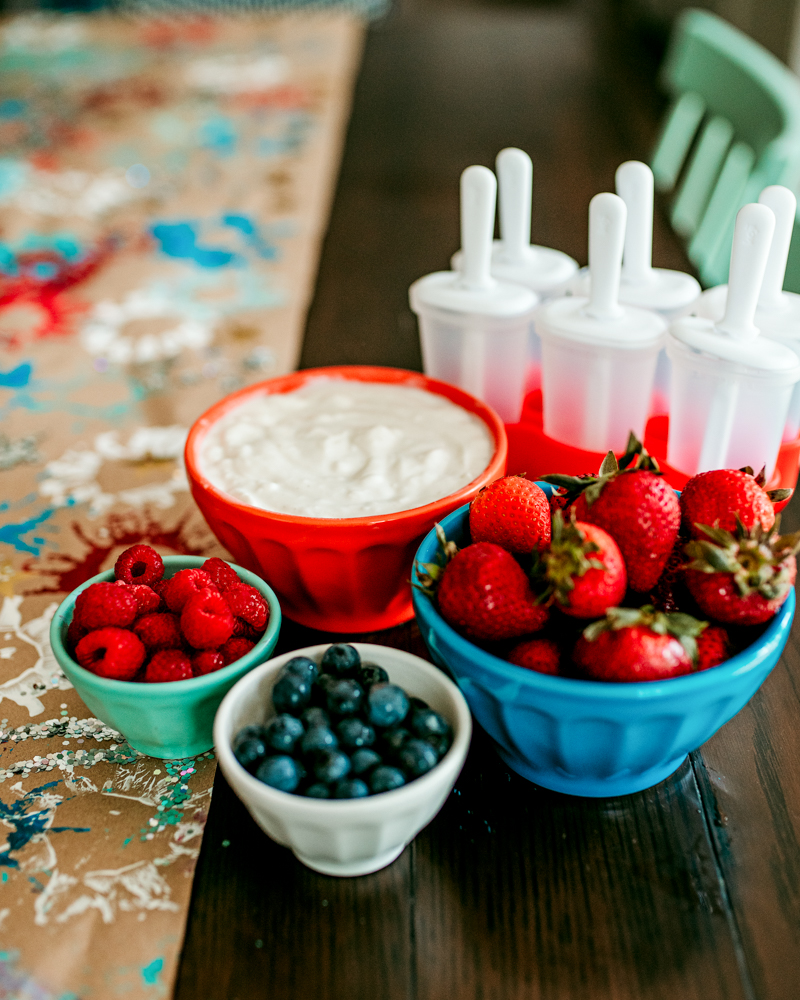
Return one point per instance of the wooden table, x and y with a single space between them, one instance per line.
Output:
687 890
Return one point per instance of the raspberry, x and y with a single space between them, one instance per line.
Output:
105 604
75 633
111 652
241 628
223 575
206 621
168 665
207 662
147 599
246 603
139 564
185 584
161 631
235 649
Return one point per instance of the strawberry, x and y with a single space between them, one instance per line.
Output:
541 655
720 496
582 570
741 577
512 512
482 591
639 644
713 646
669 592
635 505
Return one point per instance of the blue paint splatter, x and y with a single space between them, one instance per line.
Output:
11 534
13 174
150 973
11 108
17 377
219 134
252 236
27 823
179 239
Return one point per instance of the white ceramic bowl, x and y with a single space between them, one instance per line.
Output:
345 836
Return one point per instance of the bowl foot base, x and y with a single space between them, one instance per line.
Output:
345 869
595 788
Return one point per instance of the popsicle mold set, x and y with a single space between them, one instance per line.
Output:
574 360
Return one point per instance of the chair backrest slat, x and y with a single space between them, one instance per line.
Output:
720 215
701 175
676 139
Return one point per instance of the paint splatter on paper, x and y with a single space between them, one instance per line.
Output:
164 183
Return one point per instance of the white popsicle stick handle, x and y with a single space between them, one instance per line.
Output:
752 237
478 199
784 206
515 179
607 216
634 181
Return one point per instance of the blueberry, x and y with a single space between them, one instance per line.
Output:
350 788
319 690
331 766
344 697
291 693
250 749
302 666
280 772
246 733
315 717
384 779
441 744
341 659
352 732
426 723
393 740
363 760
417 757
318 791
371 673
387 705
318 738
418 703
282 732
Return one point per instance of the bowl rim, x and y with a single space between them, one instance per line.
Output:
742 663
305 807
152 691
352 373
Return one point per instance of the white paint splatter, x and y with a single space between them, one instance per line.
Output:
39 33
70 193
235 75
73 478
104 336
27 688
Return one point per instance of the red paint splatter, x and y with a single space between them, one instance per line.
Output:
114 101
45 294
288 97
167 33
68 572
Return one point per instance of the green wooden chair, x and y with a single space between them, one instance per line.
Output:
732 129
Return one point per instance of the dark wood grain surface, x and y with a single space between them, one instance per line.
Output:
687 891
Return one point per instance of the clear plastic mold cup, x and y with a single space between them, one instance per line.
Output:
669 293
778 312
598 357
514 258
473 328
731 387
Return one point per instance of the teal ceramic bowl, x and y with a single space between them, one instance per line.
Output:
171 720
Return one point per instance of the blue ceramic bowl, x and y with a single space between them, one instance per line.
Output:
587 737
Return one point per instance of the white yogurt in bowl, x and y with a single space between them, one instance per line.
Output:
337 448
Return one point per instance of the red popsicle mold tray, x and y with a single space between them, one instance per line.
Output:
533 454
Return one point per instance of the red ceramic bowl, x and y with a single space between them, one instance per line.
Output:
336 574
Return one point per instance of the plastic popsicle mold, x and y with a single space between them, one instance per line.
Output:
598 356
778 312
731 387
474 328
